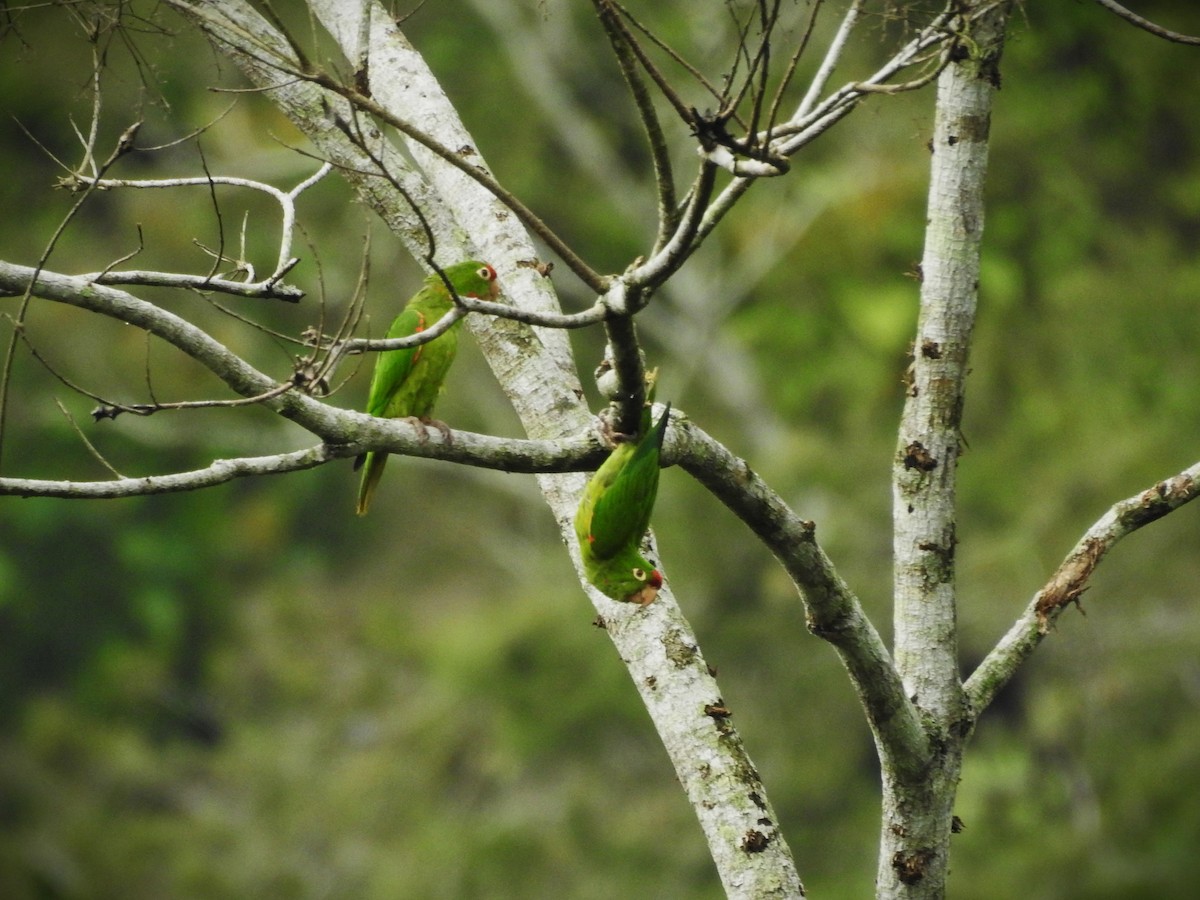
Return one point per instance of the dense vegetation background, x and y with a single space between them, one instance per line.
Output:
249 692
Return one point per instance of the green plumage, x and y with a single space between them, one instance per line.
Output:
407 382
614 515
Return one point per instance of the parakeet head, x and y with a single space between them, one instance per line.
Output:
471 279
628 578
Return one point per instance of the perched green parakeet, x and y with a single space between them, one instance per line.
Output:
615 513
406 383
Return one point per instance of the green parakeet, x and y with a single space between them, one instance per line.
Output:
406 383
615 513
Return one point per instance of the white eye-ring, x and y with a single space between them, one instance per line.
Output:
639 573
487 273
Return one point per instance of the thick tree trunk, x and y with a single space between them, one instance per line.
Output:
918 800
536 369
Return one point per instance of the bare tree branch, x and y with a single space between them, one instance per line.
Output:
675 56
800 130
1146 25
124 307
1070 580
832 612
621 42
914 851
336 426
221 471
271 286
578 454
270 289
833 55
112 410
91 448
442 200
124 145
675 688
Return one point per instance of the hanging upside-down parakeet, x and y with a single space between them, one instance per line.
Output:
407 382
615 514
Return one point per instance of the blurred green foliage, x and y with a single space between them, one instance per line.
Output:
248 692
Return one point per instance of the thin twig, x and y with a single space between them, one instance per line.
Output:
112 410
683 110
761 66
914 85
271 289
87 443
123 146
790 71
219 255
312 370
1146 25
836 47
530 219
670 51
353 131
668 215
219 472
128 256
19 333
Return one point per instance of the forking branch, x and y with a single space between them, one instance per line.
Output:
753 155
681 230
444 204
270 287
1070 580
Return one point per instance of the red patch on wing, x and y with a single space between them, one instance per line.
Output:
420 327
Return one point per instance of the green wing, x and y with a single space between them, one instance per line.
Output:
392 367
407 382
393 394
616 510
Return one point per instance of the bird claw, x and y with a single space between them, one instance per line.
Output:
422 425
611 436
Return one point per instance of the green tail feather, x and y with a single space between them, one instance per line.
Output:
372 471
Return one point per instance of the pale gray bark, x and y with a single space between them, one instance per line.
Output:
538 374
920 712
918 794
1071 578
